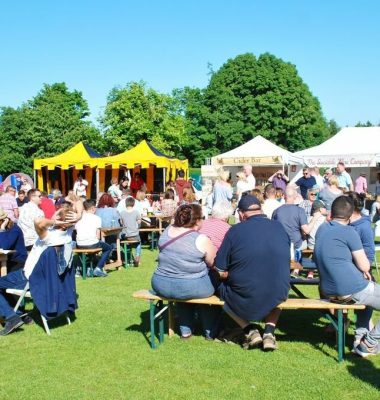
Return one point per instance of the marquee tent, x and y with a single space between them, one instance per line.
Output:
257 152
356 147
143 156
60 171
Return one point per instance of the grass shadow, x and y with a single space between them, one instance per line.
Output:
364 370
144 326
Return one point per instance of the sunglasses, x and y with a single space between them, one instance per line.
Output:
313 194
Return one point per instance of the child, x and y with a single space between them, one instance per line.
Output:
131 221
88 235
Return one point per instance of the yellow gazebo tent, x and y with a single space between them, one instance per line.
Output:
144 156
59 172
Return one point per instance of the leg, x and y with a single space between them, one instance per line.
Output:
186 318
211 319
14 280
106 251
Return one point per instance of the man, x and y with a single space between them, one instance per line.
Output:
328 174
279 180
318 178
344 178
47 205
345 272
180 184
88 235
21 198
9 204
51 232
361 184
254 257
247 169
294 221
28 213
80 186
270 202
306 182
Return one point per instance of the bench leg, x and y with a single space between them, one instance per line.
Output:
152 330
160 306
83 261
125 252
340 336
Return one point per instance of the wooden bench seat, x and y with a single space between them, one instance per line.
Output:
157 309
82 255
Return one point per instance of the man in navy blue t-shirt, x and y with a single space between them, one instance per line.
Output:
254 256
306 182
345 272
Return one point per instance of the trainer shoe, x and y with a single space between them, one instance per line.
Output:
11 324
269 342
99 273
252 340
364 350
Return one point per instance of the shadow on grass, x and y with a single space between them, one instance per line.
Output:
144 326
306 326
364 370
54 322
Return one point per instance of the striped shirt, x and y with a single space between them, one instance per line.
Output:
215 229
9 204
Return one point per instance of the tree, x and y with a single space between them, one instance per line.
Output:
135 112
333 127
364 125
48 124
249 96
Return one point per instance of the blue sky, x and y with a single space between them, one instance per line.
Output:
95 45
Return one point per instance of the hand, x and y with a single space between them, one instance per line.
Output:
4 224
367 276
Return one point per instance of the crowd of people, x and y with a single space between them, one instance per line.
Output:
237 244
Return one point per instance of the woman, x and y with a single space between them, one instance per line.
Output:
222 190
242 185
330 192
188 196
12 238
182 271
114 190
109 215
375 209
168 204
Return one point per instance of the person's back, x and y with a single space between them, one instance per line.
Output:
87 228
131 218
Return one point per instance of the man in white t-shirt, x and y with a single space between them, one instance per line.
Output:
28 213
270 202
80 186
88 235
247 169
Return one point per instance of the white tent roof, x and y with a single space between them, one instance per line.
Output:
258 151
356 147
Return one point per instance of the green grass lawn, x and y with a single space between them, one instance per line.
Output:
105 354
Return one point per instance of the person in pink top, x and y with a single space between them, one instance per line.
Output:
216 227
9 204
361 184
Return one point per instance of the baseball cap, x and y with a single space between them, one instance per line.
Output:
248 201
317 204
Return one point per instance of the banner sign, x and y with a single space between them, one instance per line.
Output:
366 160
230 161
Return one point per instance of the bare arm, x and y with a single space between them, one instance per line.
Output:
307 228
361 260
204 244
16 213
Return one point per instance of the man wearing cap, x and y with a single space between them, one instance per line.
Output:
255 284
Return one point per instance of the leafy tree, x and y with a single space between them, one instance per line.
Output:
135 112
249 96
364 125
333 127
48 124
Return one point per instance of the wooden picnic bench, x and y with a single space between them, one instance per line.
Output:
158 308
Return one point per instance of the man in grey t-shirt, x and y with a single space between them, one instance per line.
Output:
345 272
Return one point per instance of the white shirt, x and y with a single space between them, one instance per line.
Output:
269 206
80 188
319 180
87 228
241 187
28 213
251 182
115 192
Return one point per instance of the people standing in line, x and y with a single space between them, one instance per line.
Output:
247 169
344 178
361 185
9 204
279 180
306 182
80 186
222 190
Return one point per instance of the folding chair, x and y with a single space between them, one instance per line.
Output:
25 294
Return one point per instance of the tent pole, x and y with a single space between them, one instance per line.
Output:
35 178
97 181
164 179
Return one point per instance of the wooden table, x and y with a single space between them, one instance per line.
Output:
104 232
3 261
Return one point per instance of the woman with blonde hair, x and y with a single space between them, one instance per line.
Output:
330 192
222 190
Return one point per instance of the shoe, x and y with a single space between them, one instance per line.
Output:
364 350
136 261
28 320
252 340
269 342
310 275
11 324
99 273
187 337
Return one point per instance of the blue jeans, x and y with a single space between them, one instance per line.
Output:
370 296
13 280
106 251
183 289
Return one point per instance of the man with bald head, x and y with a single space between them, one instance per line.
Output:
247 169
255 283
294 221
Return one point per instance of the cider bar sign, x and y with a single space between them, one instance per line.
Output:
273 160
367 160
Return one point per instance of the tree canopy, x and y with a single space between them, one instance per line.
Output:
48 124
136 112
249 96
